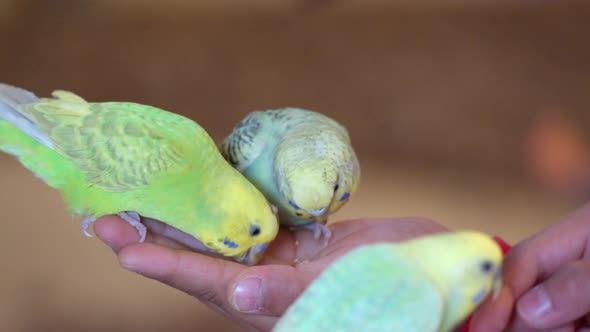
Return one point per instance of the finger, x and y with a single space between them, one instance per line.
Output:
563 298
537 257
201 276
386 229
520 327
267 290
117 234
494 314
542 254
585 323
352 233
270 290
583 327
282 249
175 235
566 328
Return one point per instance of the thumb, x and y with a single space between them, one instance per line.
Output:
562 298
266 289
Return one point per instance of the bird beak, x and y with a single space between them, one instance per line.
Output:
252 255
318 212
497 283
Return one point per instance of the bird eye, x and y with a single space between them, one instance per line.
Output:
487 266
254 230
344 197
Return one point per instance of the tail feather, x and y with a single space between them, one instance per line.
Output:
45 163
16 96
19 136
11 98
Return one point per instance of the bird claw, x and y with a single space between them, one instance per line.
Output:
133 219
298 262
86 224
318 230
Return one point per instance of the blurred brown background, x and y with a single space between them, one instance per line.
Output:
473 113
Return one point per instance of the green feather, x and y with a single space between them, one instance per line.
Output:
429 284
301 160
372 289
107 158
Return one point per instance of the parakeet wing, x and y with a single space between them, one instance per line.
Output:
245 143
118 146
371 289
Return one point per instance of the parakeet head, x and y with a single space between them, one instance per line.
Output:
247 221
466 265
319 183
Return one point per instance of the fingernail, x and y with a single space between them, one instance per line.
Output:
246 295
535 304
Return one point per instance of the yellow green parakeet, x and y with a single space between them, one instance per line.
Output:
430 284
302 161
136 160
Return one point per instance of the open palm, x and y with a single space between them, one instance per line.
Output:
254 296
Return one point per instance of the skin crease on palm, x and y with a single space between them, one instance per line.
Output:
213 280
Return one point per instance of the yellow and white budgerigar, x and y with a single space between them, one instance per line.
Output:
137 161
429 284
301 160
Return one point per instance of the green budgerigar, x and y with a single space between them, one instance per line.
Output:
429 284
301 160
137 161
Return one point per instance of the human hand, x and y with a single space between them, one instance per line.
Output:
546 282
254 296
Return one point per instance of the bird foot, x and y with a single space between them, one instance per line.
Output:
318 230
298 262
133 219
85 224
